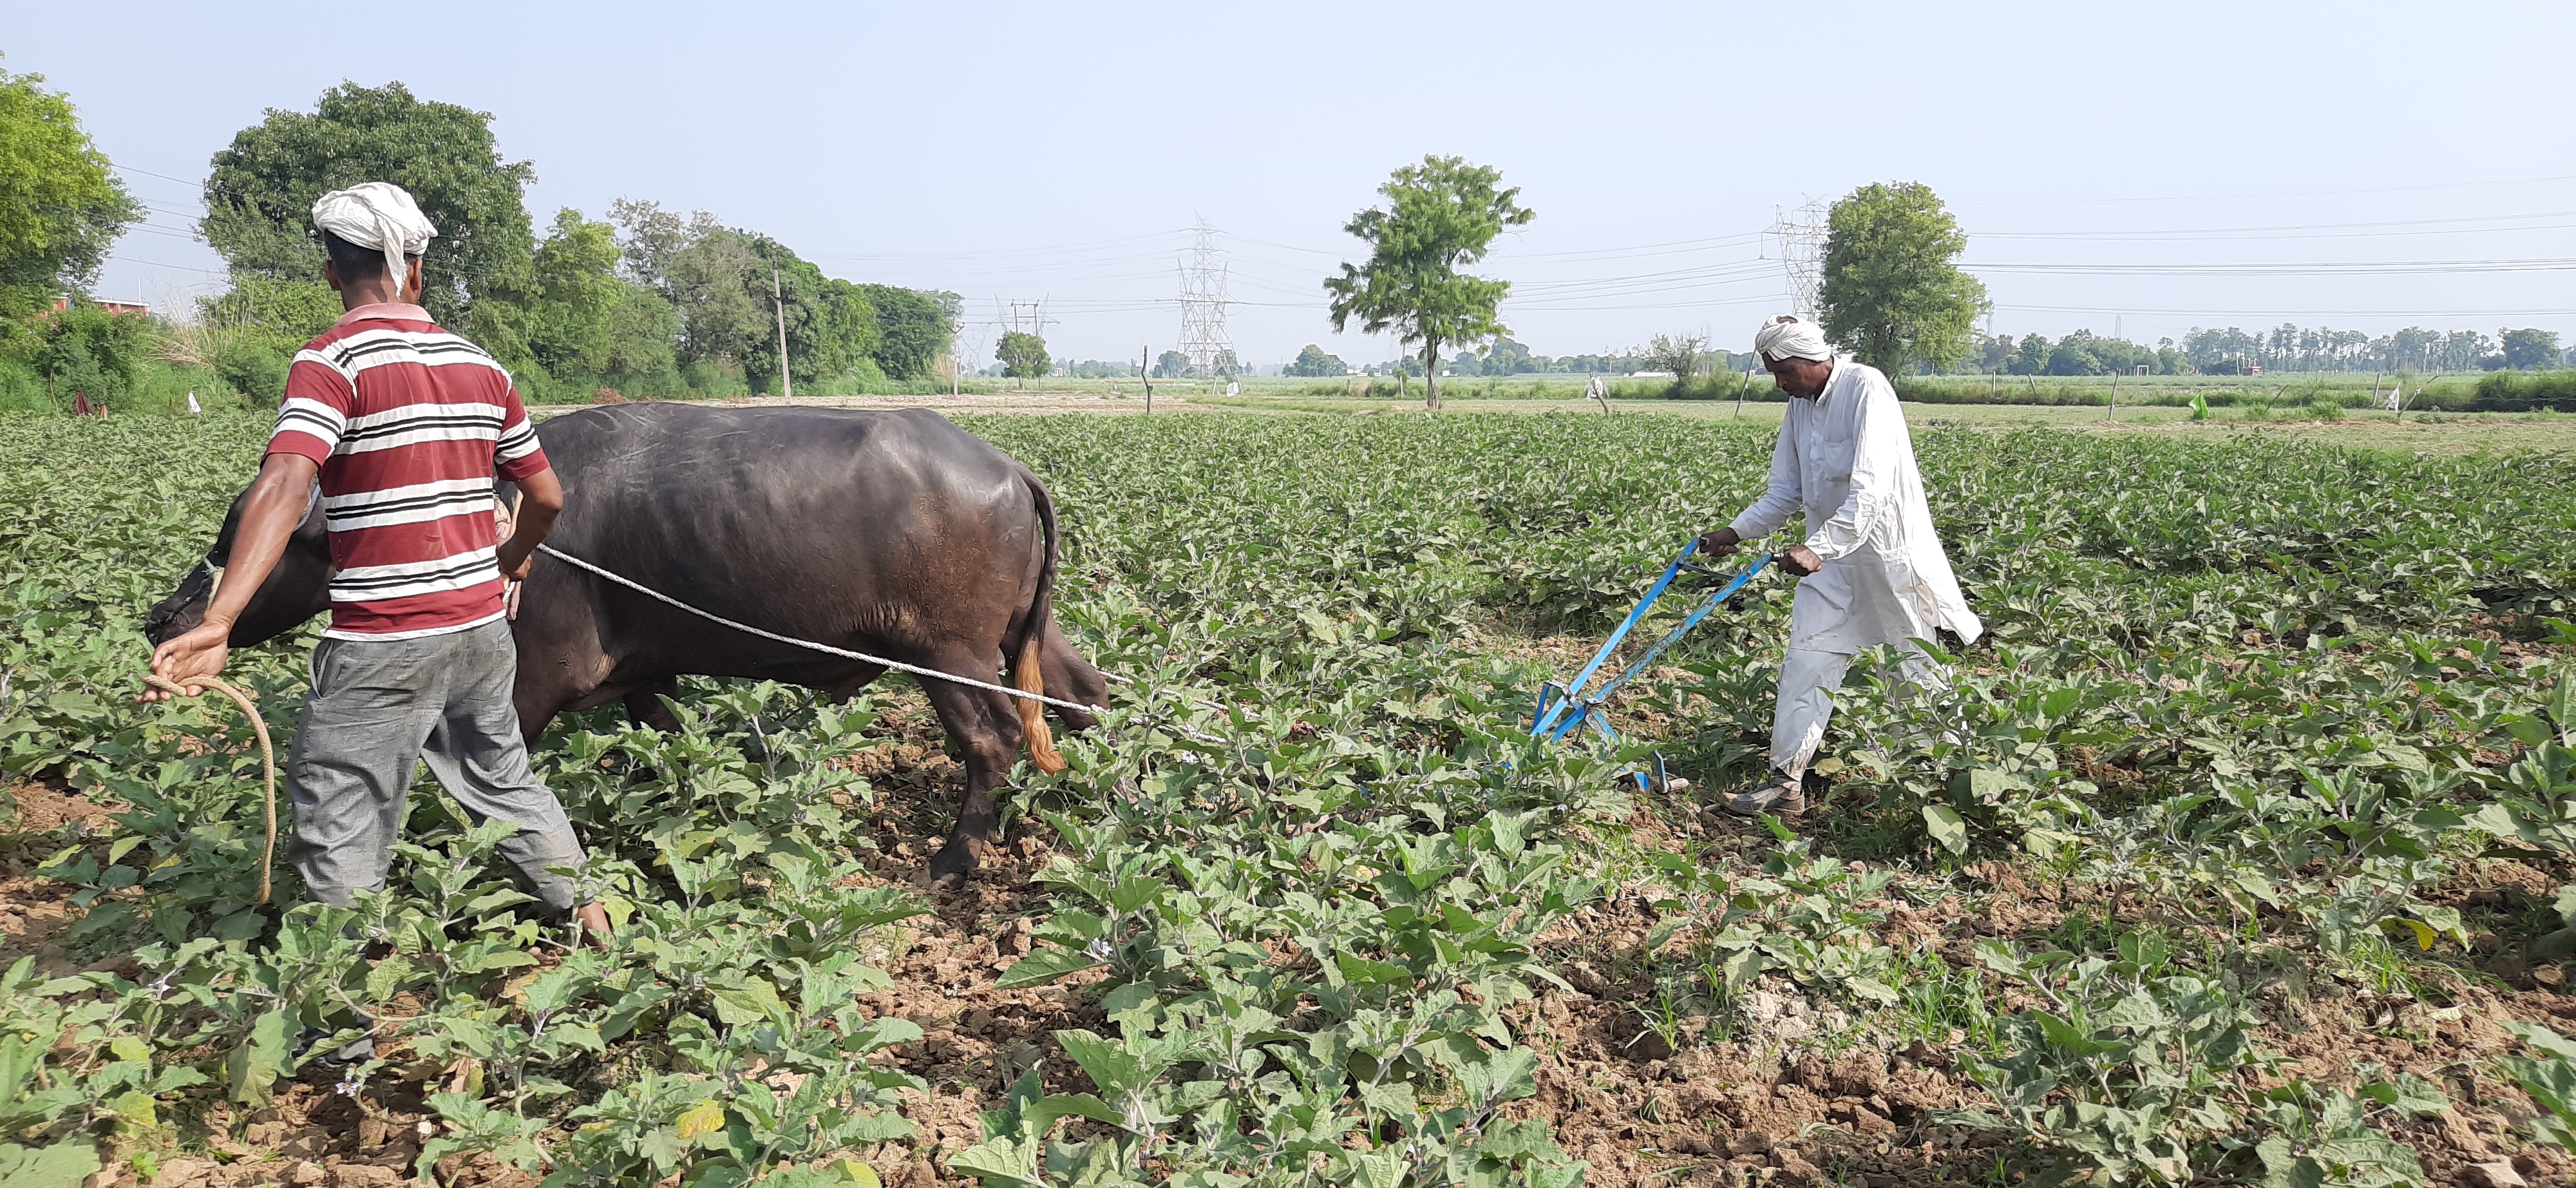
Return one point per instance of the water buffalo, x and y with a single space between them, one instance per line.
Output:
891 533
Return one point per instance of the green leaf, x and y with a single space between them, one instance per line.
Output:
62 1165
1947 827
1043 966
1366 972
255 1064
755 1000
1872 988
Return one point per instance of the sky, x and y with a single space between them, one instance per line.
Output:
2145 168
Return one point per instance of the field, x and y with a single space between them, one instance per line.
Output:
2240 852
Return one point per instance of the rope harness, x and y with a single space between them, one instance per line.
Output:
810 645
267 758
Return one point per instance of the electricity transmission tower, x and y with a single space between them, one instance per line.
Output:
1027 317
1801 236
1204 341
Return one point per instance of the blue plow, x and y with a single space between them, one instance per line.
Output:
1565 708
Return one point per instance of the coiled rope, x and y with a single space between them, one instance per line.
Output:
267 758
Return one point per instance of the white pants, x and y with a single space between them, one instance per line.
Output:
1808 680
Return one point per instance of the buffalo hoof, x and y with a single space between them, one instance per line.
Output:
954 861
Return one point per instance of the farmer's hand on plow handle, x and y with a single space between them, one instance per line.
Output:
1799 561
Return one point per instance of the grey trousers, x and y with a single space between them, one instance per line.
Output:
377 710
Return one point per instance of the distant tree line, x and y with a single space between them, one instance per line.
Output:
647 298
2289 347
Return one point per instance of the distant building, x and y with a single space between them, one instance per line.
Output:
137 308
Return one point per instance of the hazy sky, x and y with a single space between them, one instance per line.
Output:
2149 166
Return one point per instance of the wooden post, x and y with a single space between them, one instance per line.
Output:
2113 413
1740 393
1148 373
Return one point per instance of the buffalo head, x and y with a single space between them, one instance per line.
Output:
297 589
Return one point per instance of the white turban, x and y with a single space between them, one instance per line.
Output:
1789 337
377 215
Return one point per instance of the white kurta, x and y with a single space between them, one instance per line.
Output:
1846 459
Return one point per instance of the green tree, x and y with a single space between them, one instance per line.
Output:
2530 350
704 269
2031 357
259 199
1313 362
831 327
1171 365
1439 215
584 319
1892 291
251 332
89 350
913 329
1681 354
1023 356
60 206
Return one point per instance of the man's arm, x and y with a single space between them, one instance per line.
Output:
1779 498
541 499
279 497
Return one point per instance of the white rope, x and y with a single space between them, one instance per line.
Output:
810 645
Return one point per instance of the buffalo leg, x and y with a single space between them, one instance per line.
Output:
983 726
1069 677
644 706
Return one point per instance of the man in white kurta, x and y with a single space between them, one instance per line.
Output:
1872 570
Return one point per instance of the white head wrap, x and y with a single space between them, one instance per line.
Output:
377 215
1789 337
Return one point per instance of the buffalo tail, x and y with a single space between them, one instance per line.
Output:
1029 674
1033 727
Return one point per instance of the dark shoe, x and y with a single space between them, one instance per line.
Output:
340 1059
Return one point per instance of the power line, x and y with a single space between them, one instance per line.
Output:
2319 268
2520 181
2302 313
148 173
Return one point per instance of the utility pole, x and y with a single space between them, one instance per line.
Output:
777 298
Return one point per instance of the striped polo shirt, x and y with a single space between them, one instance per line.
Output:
409 423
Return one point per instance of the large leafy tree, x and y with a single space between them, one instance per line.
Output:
913 329
1439 215
60 206
705 269
2526 350
1312 361
1892 290
259 198
583 319
1022 355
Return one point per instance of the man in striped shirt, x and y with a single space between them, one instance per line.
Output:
398 427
